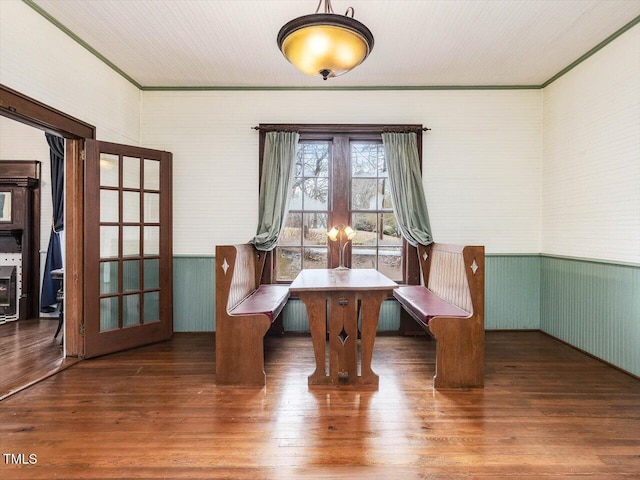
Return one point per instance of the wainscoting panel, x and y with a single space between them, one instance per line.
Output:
194 294
294 317
389 316
512 292
512 296
595 307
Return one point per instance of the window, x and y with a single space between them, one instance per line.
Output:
378 242
303 243
340 179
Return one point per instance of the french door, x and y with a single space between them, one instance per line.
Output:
128 247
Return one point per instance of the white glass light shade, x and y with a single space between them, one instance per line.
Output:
349 232
333 234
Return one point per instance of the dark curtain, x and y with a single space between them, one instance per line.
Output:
54 252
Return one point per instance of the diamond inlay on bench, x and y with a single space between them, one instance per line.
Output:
474 266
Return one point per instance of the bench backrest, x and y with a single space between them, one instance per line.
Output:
455 273
238 272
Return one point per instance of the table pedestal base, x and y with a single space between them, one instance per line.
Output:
343 309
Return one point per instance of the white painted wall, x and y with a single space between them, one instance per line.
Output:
482 159
591 151
39 60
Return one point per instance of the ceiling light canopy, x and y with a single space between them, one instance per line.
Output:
326 44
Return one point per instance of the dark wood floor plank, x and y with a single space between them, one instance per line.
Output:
547 411
28 353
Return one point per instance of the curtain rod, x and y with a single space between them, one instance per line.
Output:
356 128
276 129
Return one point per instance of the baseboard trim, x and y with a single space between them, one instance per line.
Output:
622 370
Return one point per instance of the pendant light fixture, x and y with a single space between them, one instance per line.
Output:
326 44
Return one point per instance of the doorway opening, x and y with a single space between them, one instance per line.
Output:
22 114
118 268
29 349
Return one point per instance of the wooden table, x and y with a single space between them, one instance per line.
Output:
343 294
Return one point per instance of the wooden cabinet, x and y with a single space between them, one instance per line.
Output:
20 229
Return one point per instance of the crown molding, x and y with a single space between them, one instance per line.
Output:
343 88
81 42
595 49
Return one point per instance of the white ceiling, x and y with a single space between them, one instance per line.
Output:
218 43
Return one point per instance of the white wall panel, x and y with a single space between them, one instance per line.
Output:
591 173
39 60
482 159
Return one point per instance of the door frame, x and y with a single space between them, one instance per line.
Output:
19 107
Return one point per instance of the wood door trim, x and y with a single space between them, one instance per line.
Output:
24 109
74 249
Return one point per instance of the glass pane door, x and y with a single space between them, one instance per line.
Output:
128 252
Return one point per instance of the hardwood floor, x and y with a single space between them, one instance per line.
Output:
28 352
547 411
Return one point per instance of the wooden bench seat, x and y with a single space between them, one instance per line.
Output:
244 312
423 304
450 307
268 300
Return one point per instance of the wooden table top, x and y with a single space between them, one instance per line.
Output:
333 279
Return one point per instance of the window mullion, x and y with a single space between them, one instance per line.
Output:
341 189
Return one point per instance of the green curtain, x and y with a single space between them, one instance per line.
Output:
407 192
278 167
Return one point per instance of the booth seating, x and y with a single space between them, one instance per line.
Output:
450 307
244 312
